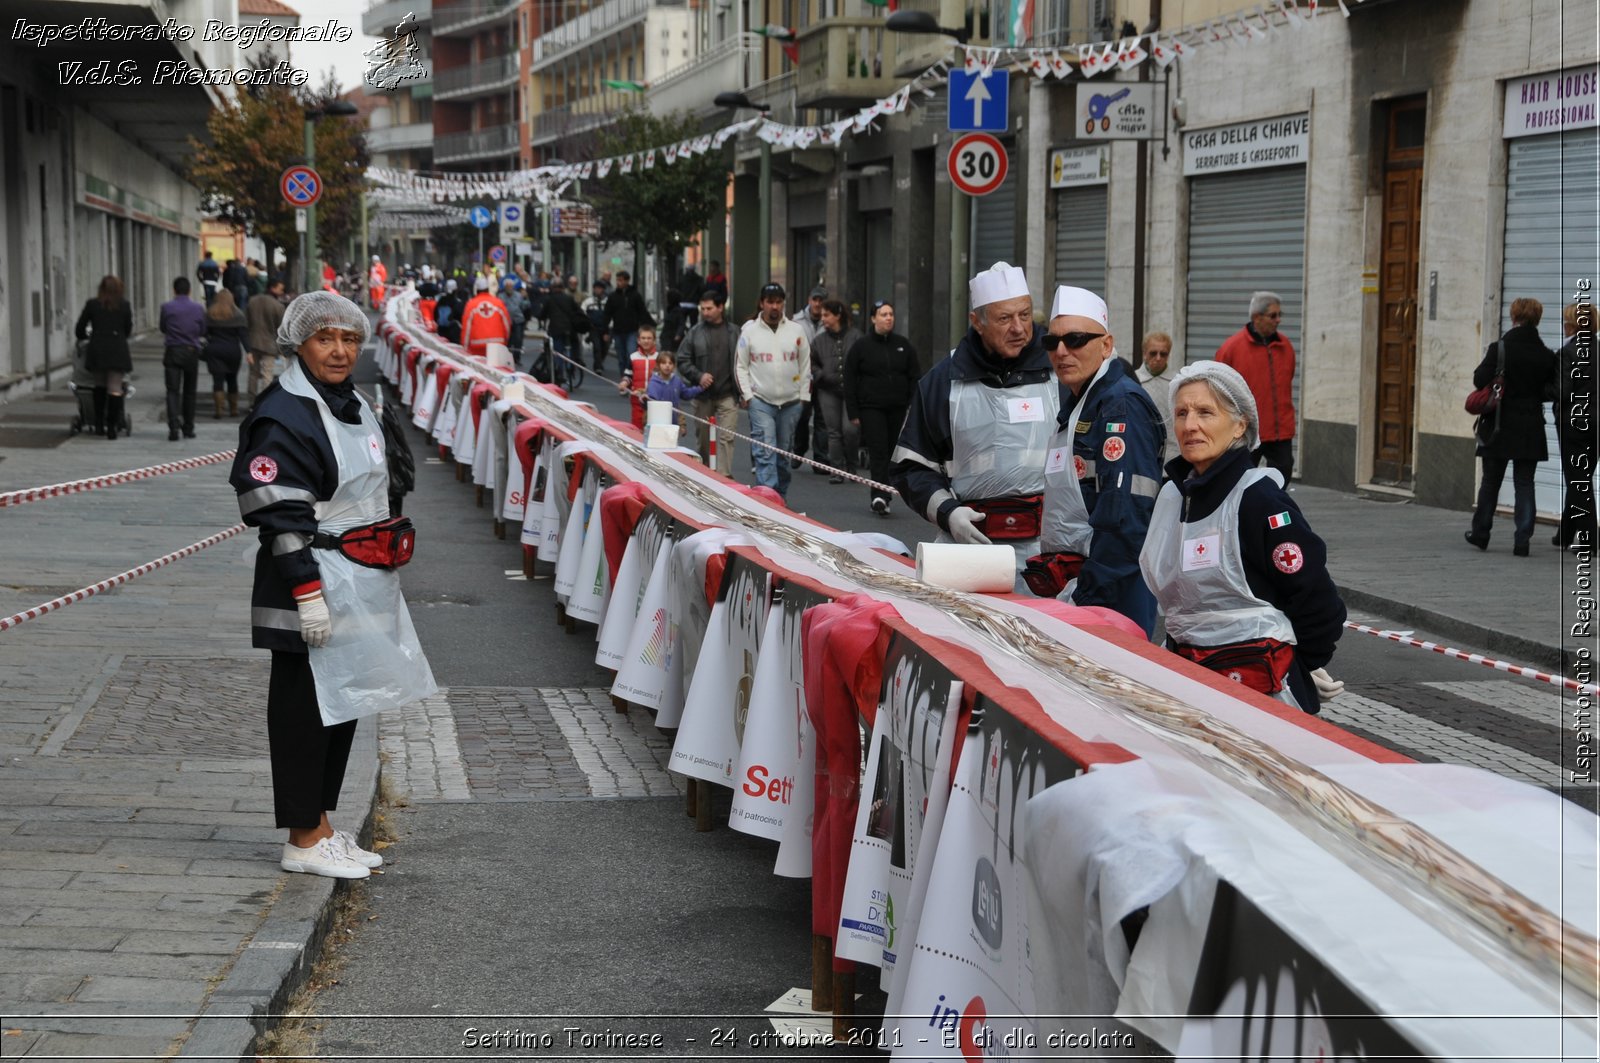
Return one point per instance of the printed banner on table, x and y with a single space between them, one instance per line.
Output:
633 576
688 609
908 749
643 674
718 701
976 961
591 591
1260 995
794 846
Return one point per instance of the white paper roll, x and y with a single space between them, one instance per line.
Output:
960 567
657 411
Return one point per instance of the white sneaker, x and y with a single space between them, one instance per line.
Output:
364 857
327 858
880 506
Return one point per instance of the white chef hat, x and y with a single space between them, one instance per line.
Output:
999 281
1079 302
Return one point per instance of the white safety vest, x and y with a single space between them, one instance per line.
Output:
1197 573
373 661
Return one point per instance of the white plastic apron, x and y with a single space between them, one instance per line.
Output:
1198 576
998 441
1065 524
373 660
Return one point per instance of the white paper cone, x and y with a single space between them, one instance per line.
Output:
444 425
550 519
764 792
623 608
408 384
707 685
533 512
499 452
422 413
644 667
863 912
593 584
466 444
961 567
483 449
712 728
571 548
513 500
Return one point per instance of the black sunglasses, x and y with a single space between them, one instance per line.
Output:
1073 340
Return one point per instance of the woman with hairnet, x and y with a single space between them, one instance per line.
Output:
311 474
1239 574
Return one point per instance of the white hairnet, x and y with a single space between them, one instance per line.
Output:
314 311
1231 391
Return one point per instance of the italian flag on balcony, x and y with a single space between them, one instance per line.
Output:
626 86
785 38
890 4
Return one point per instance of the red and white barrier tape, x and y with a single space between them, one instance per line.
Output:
840 473
34 494
122 577
1478 658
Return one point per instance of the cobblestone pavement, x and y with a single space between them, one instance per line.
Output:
521 744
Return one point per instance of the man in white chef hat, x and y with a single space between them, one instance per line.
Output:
972 453
1102 470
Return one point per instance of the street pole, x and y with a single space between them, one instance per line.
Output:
544 243
366 239
309 247
764 229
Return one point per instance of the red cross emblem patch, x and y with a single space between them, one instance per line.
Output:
1079 468
1113 448
263 469
1288 557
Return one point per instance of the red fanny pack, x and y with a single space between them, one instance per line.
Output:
1010 519
1262 664
386 544
1047 575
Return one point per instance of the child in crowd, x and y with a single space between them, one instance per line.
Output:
668 385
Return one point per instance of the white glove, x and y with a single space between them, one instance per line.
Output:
963 526
1328 687
316 626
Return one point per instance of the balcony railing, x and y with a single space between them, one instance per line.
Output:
400 137
480 143
462 16
477 78
692 86
845 62
381 16
587 28
591 112
410 83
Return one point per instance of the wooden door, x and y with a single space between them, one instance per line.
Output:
1397 294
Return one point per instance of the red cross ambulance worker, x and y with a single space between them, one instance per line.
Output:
972 453
312 475
484 320
1103 469
377 277
1237 570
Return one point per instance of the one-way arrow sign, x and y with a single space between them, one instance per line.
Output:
979 104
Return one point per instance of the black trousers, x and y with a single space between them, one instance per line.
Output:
308 757
1278 454
182 368
880 430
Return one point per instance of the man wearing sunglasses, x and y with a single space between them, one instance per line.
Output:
1103 469
971 455
1265 358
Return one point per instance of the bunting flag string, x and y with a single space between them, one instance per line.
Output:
416 194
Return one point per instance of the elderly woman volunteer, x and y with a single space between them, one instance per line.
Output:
311 473
1240 575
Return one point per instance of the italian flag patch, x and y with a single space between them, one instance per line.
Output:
1278 520
1116 426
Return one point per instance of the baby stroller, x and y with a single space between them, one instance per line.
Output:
82 385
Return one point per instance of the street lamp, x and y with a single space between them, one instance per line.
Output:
336 108
734 101
923 22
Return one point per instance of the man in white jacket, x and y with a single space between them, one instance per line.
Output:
773 366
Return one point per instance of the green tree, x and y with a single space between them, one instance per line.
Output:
254 138
665 207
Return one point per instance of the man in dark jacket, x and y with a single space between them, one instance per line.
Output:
972 453
565 323
209 274
1103 470
705 359
183 330
625 312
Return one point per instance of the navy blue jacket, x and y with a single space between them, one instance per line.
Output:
1122 494
918 471
1307 596
285 465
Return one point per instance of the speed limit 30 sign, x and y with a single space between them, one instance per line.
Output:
977 164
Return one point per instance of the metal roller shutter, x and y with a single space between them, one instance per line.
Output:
1552 235
1081 237
1247 233
994 235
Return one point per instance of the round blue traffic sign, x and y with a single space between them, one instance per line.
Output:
510 212
301 186
481 217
